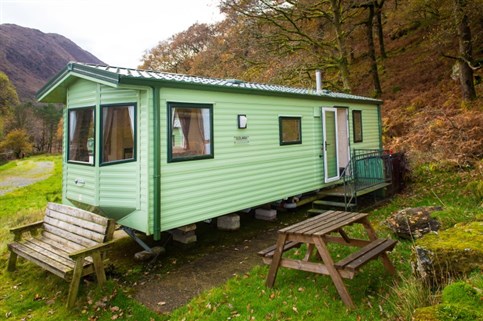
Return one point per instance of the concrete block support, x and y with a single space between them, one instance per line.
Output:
230 222
266 215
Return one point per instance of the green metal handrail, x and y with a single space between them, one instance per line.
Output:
367 168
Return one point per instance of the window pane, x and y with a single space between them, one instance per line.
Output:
357 125
290 130
81 135
190 132
117 133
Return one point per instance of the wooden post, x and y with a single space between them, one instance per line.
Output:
99 268
272 273
74 284
12 261
334 274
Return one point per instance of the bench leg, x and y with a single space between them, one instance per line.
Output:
74 284
334 274
12 262
387 263
99 268
272 273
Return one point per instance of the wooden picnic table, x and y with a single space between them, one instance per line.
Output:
316 232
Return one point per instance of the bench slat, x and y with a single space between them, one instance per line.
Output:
367 253
67 235
41 260
76 221
76 212
76 231
269 251
50 253
60 241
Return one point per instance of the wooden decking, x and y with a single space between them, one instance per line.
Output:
339 190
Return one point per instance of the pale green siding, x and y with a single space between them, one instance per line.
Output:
117 190
82 93
370 127
244 173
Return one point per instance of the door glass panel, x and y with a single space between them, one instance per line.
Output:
331 144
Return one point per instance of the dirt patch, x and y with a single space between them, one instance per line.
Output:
216 257
25 173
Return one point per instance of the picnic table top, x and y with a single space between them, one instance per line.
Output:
324 223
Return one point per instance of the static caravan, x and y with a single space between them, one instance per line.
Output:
157 151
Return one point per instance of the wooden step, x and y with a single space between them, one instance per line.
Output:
372 188
332 203
315 211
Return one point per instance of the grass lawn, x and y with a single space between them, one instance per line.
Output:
31 293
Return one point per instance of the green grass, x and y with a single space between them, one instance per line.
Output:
33 293
302 296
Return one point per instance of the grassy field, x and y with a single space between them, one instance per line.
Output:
31 293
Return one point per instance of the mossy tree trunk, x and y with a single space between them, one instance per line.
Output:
465 50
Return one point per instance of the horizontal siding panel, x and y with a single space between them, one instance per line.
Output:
242 175
82 94
119 183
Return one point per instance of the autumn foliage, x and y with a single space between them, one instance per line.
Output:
418 58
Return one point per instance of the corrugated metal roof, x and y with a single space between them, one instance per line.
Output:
118 74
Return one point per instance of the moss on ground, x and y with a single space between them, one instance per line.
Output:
452 252
460 301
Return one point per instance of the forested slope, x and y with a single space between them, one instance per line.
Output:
411 54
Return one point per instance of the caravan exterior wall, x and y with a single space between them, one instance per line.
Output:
240 168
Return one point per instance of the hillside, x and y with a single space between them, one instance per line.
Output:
30 57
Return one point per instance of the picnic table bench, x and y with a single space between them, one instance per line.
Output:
68 242
316 232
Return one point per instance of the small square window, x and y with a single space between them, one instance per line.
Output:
290 130
357 125
190 131
81 135
118 123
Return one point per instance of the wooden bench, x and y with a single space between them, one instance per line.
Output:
267 253
69 242
371 251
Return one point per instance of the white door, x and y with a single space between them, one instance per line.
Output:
335 142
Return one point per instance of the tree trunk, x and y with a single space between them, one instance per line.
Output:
372 52
341 44
380 32
465 51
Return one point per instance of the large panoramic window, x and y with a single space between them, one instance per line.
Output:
118 133
190 131
357 125
81 135
290 130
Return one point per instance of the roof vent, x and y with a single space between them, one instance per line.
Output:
318 81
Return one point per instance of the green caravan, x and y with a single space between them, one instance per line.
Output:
157 151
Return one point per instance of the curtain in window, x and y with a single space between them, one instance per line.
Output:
207 130
107 124
184 117
131 118
200 137
72 125
78 146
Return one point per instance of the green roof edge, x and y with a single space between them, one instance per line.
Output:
91 71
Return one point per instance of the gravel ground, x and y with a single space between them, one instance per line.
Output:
16 177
